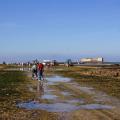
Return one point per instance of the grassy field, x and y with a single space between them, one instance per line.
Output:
14 88
108 84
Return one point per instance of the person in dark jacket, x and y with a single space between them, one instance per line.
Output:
40 68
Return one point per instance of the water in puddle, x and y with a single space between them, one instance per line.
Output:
96 107
58 79
49 97
50 90
62 107
66 93
76 101
55 79
56 107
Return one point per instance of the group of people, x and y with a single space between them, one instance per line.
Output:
37 71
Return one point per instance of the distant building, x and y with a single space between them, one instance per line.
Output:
92 60
50 62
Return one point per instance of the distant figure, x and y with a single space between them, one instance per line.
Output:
68 62
40 68
34 71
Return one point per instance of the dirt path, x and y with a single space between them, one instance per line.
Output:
70 101
95 97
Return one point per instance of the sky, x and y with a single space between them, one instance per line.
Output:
32 29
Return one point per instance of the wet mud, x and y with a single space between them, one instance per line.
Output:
51 101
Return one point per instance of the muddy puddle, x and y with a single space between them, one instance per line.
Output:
57 78
61 107
56 103
49 97
98 96
66 93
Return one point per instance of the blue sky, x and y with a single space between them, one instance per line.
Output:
71 28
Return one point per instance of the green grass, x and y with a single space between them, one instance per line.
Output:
12 89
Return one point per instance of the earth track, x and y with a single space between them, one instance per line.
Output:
74 88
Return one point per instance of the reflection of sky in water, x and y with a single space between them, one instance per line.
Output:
65 93
49 97
75 101
96 107
58 79
62 107
57 107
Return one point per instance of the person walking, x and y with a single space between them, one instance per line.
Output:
40 68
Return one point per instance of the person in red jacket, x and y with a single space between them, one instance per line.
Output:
40 68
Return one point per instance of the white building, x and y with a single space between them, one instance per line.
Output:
92 60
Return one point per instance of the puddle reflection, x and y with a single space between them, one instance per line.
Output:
49 97
43 92
62 107
58 79
76 101
66 93
40 89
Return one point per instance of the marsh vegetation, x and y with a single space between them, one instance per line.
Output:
69 93
92 77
